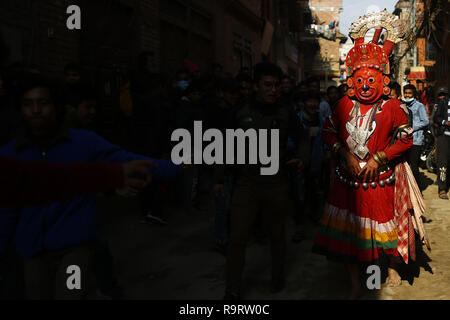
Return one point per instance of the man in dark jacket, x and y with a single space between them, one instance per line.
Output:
266 193
442 120
51 238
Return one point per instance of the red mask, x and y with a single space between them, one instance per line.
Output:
368 63
368 67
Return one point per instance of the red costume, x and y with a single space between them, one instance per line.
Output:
360 217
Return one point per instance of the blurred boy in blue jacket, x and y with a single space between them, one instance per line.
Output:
51 238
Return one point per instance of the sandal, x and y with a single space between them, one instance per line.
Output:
443 195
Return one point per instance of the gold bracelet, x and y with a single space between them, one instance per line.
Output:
380 158
377 158
383 157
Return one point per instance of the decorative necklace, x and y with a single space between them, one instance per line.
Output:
361 134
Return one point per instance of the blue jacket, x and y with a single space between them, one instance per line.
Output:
69 223
420 119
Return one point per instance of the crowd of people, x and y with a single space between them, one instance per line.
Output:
45 122
428 113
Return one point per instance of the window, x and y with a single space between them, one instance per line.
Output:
430 51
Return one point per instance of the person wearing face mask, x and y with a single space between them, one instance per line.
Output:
419 122
183 80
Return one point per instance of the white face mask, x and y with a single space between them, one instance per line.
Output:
408 100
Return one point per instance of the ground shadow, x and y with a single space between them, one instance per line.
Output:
412 270
425 181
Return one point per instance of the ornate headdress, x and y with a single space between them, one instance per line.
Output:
371 56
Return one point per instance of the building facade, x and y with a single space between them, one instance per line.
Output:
325 27
425 62
234 33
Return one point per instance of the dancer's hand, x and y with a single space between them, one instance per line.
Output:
352 164
370 171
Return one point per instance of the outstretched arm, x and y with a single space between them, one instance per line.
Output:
24 184
106 151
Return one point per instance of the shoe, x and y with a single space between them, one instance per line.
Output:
149 219
443 195
277 286
231 296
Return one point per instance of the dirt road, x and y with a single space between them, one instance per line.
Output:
178 261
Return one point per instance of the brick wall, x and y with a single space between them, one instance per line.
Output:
326 11
325 3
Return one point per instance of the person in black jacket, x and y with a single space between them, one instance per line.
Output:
266 193
442 120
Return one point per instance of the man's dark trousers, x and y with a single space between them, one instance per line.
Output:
248 199
443 155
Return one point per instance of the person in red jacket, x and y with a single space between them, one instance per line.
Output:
36 183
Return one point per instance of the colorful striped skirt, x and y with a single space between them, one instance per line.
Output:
358 225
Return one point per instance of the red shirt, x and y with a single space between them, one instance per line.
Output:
37 183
